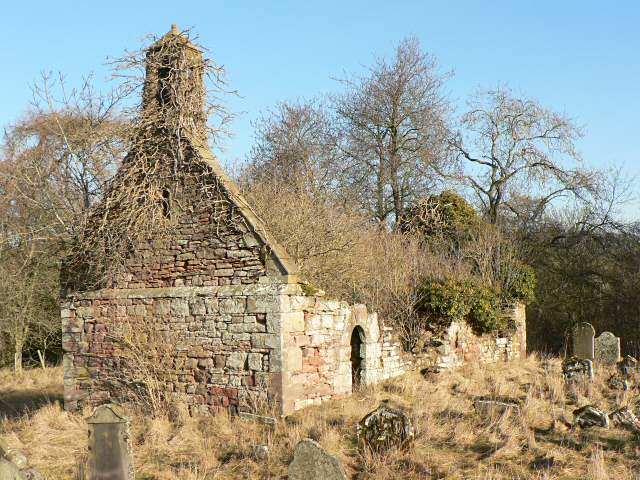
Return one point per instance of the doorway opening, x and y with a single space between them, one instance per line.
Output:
357 357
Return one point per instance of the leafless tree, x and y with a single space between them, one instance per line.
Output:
295 145
519 156
392 124
54 165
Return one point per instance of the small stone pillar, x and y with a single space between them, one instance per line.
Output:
583 343
109 455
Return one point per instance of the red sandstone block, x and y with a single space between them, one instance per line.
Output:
232 392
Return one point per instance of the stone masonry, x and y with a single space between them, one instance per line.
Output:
219 314
237 324
458 344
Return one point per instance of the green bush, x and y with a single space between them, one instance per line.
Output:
469 300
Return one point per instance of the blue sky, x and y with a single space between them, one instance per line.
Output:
580 57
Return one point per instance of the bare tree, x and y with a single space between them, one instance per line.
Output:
519 156
392 131
54 165
295 145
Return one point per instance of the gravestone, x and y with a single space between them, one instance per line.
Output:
488 406
628 365
575 369
383 428
618 382
625 419
607 349
583 344
311 462
109 456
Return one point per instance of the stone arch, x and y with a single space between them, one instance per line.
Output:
358 356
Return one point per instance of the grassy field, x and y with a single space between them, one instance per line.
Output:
452 440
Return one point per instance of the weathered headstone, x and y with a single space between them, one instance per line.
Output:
311 462
583 345
109 456
577 369
590 416
15 466
383 428
607 349
628 365
618 382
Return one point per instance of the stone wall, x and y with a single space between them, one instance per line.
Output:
229 346
224 343
458 344
317 351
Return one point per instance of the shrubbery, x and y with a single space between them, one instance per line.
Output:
492 277
479 305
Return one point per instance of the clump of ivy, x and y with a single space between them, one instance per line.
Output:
480 305
450 221
446 215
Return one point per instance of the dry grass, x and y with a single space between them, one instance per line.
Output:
452 441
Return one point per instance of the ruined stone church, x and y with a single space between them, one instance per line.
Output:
242 325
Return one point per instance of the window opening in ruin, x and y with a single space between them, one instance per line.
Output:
164 93
357 356
166 203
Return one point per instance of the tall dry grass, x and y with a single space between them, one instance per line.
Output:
452 440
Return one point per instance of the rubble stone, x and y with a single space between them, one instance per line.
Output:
590 416
312 462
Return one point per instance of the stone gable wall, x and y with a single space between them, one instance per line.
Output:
211 246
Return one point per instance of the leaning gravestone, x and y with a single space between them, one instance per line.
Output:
383 428
607 349
109 456
625 419
311 462
583 345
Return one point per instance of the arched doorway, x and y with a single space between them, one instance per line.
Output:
357 357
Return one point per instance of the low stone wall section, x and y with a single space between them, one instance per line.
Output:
458 344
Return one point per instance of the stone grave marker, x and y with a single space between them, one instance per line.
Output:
583 344
590 416
628 365
607 349
576 369
625 419
109 456
383 428
487 406
311 462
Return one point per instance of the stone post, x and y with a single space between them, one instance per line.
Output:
109 455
